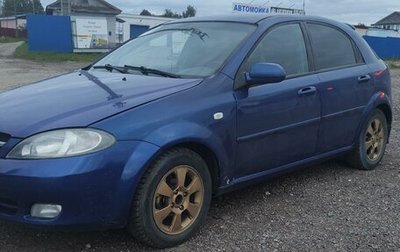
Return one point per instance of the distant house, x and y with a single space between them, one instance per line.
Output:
94 22
13 22
82 7
13 26
391 22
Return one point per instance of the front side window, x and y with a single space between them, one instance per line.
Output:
284 45
331 47
195 49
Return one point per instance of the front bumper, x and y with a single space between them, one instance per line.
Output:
95 191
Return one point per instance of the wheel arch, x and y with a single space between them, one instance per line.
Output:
136 223
385 108
205 152
378 101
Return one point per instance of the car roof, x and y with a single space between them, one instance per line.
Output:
241 18
251 19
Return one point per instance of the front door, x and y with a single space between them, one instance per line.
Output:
278 123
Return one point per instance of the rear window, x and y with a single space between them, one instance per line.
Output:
331 47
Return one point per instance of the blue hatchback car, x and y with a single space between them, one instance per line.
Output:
198 107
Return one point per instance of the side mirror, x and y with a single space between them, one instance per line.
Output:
262 73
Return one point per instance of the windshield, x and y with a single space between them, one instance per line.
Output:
184 49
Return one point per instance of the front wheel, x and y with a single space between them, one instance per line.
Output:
372 142
172 199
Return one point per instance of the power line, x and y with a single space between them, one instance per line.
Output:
265 3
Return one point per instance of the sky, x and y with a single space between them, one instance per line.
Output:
349 11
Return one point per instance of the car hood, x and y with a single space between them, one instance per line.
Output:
79 99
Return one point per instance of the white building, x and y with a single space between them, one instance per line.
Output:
391 22
133 25
93 23
378 32
13 22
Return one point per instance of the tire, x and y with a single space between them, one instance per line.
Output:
371 145
182 175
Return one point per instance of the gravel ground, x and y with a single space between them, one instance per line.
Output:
327 207
8 49
15 72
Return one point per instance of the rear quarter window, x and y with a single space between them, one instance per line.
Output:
331 47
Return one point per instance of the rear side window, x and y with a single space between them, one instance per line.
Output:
283 45
331 47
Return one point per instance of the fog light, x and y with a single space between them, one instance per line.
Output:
45 211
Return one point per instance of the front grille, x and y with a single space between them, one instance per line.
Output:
4 138
8 207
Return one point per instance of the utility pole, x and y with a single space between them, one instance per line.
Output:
65 7
33 6
304 6
16 19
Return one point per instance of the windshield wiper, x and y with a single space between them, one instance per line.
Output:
110 68
147 71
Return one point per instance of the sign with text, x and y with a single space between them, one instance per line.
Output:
287 11
250 9
92 33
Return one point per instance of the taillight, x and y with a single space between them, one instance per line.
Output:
379 73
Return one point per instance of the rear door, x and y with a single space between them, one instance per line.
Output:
346 85
277 123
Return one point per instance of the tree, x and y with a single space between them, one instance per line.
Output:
170 14
190 12
145 13
15 7
362 25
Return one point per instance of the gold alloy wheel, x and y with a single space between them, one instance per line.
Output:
374 140
178 200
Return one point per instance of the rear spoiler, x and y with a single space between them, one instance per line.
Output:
351 26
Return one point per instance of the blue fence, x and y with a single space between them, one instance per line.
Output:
49 33
386 48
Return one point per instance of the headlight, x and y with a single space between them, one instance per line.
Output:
62 143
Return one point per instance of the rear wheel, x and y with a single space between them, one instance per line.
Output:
372 142
172 199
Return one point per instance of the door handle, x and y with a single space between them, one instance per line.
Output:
307 90
364 78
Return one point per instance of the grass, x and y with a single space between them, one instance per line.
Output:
23 52
10 39
393 63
